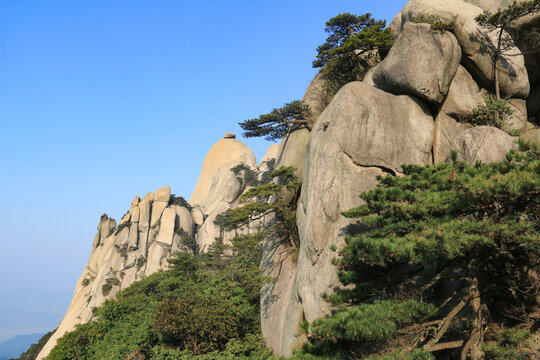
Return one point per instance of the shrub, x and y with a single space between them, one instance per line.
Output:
435 22
122 226
109 284
246 176
492 113
179 200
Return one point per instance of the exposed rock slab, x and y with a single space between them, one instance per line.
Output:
280 297
292 150
422 62
484 143
163 194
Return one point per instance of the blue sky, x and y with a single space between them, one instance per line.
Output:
104 100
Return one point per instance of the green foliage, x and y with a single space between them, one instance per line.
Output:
202 308
187 240
246 175
278 198
179 200
109 284
369 322
479 223
35 349
279 122
493 113
122 226
415 354
140 262
85 282
435 22
504 17
349 35
508 346
122 250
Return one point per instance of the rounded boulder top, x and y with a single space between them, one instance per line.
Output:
229 135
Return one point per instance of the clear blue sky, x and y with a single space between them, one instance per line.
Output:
104 100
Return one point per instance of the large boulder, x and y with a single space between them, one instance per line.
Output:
217 181
421 63
477 43
364 132
484 143
463 96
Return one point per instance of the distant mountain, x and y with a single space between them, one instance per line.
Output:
15 347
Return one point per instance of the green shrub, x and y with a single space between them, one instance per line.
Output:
122 226
109 284
492 113
435 22
246 175
179 200
187 240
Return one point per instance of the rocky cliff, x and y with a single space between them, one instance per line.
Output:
411 108
157 227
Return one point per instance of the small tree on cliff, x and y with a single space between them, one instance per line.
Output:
442 252
501 21
278 123
349 35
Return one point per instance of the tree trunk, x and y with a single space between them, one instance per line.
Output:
495 62
473 346
436 131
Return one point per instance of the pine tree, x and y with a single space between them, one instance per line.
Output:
444 253
278 123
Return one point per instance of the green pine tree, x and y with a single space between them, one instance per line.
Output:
443 254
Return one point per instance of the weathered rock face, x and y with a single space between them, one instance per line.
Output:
421 63
484 143
217 182
477 44
124 254
370 132
445 138
464 95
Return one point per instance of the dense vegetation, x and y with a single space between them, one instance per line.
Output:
444 262
205 307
